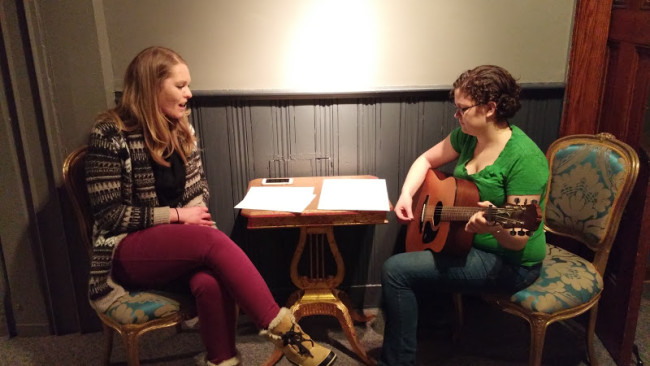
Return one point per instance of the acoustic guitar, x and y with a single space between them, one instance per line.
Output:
443 205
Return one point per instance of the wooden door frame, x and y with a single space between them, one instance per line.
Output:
588 57
583 113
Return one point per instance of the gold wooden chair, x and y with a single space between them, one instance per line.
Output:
591 180
137 312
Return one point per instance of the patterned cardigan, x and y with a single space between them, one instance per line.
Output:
121 188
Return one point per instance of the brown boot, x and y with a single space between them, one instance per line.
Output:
296 345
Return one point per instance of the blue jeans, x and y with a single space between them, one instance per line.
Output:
405 274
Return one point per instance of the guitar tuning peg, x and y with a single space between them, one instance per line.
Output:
517 200
513 232
529 233
534 202
521 233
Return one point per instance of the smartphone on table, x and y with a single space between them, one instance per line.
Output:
276 181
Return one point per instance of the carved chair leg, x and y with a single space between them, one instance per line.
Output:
131 347
108 344
537 335
591 330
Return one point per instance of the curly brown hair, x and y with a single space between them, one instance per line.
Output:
490 83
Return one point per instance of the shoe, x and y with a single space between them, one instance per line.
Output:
297 346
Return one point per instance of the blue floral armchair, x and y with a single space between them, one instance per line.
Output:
591 180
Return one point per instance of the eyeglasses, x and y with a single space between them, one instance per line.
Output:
462 110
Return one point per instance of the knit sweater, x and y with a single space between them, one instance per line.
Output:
122 193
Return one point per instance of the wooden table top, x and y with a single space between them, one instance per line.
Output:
311 216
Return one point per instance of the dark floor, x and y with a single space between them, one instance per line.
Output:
489 337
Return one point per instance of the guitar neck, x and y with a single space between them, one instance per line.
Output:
452 213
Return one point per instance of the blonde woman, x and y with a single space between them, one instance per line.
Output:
152 227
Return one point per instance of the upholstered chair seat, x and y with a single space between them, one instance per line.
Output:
138 307
565 281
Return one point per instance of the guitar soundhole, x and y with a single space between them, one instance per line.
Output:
428 234
426 227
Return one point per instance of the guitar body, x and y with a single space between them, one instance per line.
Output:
434 234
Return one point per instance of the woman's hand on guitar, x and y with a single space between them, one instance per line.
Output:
479 225
404 209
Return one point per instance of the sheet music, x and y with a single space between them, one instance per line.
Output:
354 194
291 199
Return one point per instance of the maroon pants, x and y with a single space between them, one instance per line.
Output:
220 276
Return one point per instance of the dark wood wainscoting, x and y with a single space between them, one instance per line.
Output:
245 137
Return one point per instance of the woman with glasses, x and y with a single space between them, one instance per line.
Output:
507 167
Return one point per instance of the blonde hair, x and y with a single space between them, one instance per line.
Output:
138 107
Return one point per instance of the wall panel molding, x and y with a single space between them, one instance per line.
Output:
375 134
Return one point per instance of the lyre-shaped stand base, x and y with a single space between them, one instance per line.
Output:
318 294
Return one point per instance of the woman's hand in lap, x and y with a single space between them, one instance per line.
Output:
197 215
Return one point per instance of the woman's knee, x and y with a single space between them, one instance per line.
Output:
392 269
203 283
211 235
402 268
212 244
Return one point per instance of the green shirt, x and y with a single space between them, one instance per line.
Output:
520 169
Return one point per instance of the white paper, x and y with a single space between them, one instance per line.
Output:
354 194
291 199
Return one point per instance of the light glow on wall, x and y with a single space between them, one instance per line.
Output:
343 45
333 47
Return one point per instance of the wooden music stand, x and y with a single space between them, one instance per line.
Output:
317 293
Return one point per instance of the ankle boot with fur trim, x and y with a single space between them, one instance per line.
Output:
296 345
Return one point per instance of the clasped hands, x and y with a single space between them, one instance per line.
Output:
195 215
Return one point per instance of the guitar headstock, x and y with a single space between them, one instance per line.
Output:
524 217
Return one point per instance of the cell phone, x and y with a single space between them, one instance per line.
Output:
267 181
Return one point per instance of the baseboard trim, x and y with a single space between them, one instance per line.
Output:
33 330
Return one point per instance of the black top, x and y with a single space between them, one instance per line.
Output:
170 181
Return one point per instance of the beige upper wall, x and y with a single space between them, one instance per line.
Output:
322 45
